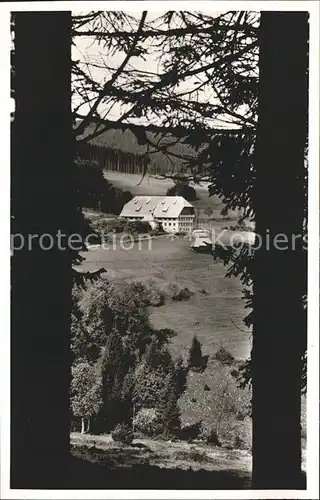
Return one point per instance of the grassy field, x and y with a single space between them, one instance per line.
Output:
213 316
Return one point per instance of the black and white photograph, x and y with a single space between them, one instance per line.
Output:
161 333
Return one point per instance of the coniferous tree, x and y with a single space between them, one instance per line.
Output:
195 360
43 203
113 357
158 356
279 272
169 411
116 368
152 354
179 376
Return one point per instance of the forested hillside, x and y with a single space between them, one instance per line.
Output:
171 160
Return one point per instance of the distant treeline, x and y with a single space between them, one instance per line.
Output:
120 151
112 158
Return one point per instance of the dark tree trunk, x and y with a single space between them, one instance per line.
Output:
42 203
280 275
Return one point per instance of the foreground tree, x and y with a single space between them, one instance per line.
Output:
279 271
232 175
41 174
85 394
169 412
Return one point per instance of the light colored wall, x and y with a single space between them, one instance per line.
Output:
183 223
169 225
179 224
186 222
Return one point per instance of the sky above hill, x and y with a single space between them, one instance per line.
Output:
86 49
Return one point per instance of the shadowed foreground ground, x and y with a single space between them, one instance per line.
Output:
100 463
90 470
132 467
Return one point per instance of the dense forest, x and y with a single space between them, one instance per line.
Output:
172 159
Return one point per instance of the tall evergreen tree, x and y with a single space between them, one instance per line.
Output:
42 205
231 172
279 271
195 360
180 372
116 371
169 411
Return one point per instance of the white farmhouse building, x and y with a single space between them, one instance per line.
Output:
173 213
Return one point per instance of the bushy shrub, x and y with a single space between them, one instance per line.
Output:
157 231
177 293
156 297
183 294
238 443
191 431
194 455
212 437
208 211
146 422
116 225
99 224
122 433
224 356
140 227
173 289
121 225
